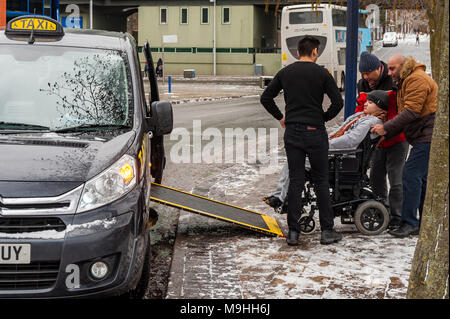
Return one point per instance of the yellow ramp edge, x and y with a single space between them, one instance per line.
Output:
272 224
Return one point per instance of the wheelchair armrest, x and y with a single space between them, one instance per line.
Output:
344 151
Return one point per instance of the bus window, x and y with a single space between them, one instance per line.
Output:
306 17
339 18
292 44
341 56
18 5
362 18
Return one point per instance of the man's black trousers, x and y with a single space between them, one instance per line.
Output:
300 141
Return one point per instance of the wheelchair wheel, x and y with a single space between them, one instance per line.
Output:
306 223
371 218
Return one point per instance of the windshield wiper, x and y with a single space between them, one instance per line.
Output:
24 125
87 127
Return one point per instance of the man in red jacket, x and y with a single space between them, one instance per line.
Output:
389 157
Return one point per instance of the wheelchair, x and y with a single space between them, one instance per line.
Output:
351 196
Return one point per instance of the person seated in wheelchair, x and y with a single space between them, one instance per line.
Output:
350 134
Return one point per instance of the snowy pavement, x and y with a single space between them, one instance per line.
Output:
217 260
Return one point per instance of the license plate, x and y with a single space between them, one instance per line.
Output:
15 253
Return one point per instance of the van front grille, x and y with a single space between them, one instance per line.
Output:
37 275
14 225
36 206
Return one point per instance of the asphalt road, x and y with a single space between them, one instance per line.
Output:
408 47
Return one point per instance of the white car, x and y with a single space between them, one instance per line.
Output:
390 38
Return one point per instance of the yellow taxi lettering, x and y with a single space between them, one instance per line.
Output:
30 24
39 24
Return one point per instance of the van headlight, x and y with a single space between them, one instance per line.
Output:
109 185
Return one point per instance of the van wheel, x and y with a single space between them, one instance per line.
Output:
141 288
342 88
371 218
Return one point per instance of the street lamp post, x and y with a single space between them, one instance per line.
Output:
214 36
91 13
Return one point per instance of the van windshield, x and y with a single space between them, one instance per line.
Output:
61 87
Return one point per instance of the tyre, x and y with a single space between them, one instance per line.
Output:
371 218
141 287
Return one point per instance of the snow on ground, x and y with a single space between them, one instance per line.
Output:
357 267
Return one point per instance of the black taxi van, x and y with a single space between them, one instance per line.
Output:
79 146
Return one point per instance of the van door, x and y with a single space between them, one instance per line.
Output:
157 154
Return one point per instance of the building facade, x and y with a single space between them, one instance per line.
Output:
246 36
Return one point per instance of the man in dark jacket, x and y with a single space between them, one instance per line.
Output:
304 84
389 157
417 100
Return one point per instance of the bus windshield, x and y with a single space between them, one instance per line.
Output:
60 87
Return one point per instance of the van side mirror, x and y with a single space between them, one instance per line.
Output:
161 120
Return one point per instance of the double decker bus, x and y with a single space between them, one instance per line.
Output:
328 23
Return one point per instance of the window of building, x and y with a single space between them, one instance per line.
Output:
19 5
163 15
184 15
35 7
48 7
205 15
226 15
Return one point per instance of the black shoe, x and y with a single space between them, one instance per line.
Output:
292 238
404 231
395 223
272 201
330 236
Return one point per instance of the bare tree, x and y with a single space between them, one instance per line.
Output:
429 273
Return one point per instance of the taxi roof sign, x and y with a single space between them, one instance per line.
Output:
38 25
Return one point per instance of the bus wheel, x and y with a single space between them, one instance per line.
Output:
342 88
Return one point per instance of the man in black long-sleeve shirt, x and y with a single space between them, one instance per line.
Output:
304 84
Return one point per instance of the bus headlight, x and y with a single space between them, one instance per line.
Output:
109 185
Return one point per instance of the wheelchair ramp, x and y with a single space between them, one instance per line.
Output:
215 209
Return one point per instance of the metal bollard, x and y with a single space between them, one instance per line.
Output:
170 84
